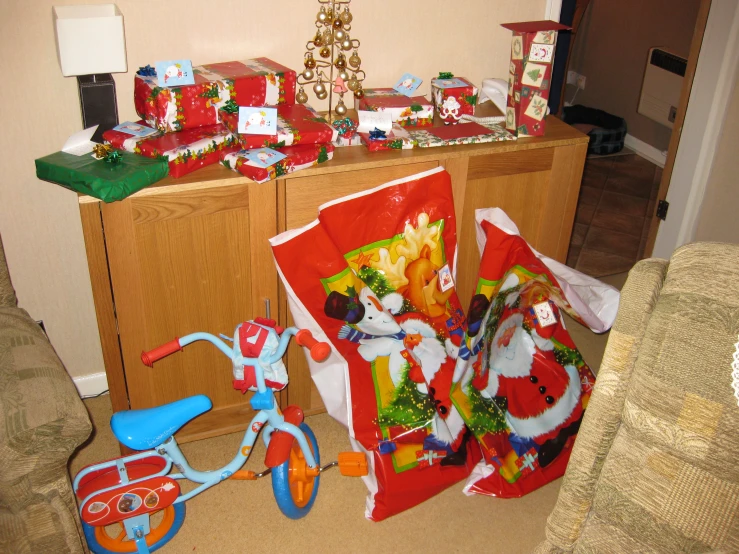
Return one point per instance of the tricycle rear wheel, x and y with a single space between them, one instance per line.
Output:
112 539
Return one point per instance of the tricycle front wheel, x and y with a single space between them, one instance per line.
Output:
295 490
112 539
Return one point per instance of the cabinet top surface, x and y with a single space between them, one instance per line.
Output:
353 158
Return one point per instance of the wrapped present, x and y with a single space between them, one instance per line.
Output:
453 97
413 111
109 179
354 140
397 139
297 124
463 133
347 132
185 151
257 82
297 157
530 75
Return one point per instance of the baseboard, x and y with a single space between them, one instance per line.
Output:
645 150
91 385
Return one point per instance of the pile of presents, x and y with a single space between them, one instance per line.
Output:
184 128
197 125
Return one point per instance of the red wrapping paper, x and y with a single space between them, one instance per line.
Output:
452 103
297 124
257 82
414 111
186 151
298 157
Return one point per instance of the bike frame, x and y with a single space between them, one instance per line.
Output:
268 420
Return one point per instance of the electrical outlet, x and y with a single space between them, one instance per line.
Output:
572 77
581 82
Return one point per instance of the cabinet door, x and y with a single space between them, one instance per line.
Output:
538 189
193 259
303 196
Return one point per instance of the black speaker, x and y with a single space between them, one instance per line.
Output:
98 103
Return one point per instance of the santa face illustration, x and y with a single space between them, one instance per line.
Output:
512 349
450 108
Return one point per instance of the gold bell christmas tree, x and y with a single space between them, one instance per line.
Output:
327 66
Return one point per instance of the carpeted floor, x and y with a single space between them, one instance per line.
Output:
242 516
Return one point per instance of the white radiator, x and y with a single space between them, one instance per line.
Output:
663 80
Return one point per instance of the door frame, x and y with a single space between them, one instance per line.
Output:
712 66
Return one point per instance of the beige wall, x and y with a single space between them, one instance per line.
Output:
611 49
718 219
39 108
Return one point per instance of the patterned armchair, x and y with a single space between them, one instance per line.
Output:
654 468
43 421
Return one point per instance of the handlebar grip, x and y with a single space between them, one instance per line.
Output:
319 351
148 358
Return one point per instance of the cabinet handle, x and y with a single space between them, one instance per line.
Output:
267 309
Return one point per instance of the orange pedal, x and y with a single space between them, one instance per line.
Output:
353 464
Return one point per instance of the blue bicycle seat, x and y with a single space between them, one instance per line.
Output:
148 428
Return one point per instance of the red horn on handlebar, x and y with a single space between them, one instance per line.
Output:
160 352
319 351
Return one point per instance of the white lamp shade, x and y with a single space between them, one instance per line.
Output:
90 39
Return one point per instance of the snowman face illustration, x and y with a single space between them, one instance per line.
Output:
255 119
376 320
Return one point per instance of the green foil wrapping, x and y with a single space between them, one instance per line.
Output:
108 182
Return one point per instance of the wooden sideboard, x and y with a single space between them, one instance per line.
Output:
192 254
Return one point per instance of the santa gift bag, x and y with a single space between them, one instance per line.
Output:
374 277
521 385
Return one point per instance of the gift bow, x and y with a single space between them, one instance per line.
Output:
230 107
377 134
146 71
346 127
107 153
445 75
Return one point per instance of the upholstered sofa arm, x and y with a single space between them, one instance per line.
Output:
43 421
603 414
7 293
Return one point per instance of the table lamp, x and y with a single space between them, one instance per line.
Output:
90 46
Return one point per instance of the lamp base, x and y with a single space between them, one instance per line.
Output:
98 103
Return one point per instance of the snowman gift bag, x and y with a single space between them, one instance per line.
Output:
521 385
374 277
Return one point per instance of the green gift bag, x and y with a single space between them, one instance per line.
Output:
98 178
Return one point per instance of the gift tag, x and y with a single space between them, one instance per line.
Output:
369 121
544 314
408 84
134 129
446 281
262 157
449 83
257 121
79 143
175 73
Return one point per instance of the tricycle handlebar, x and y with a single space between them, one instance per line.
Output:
148 358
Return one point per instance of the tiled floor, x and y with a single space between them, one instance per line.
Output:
617 198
